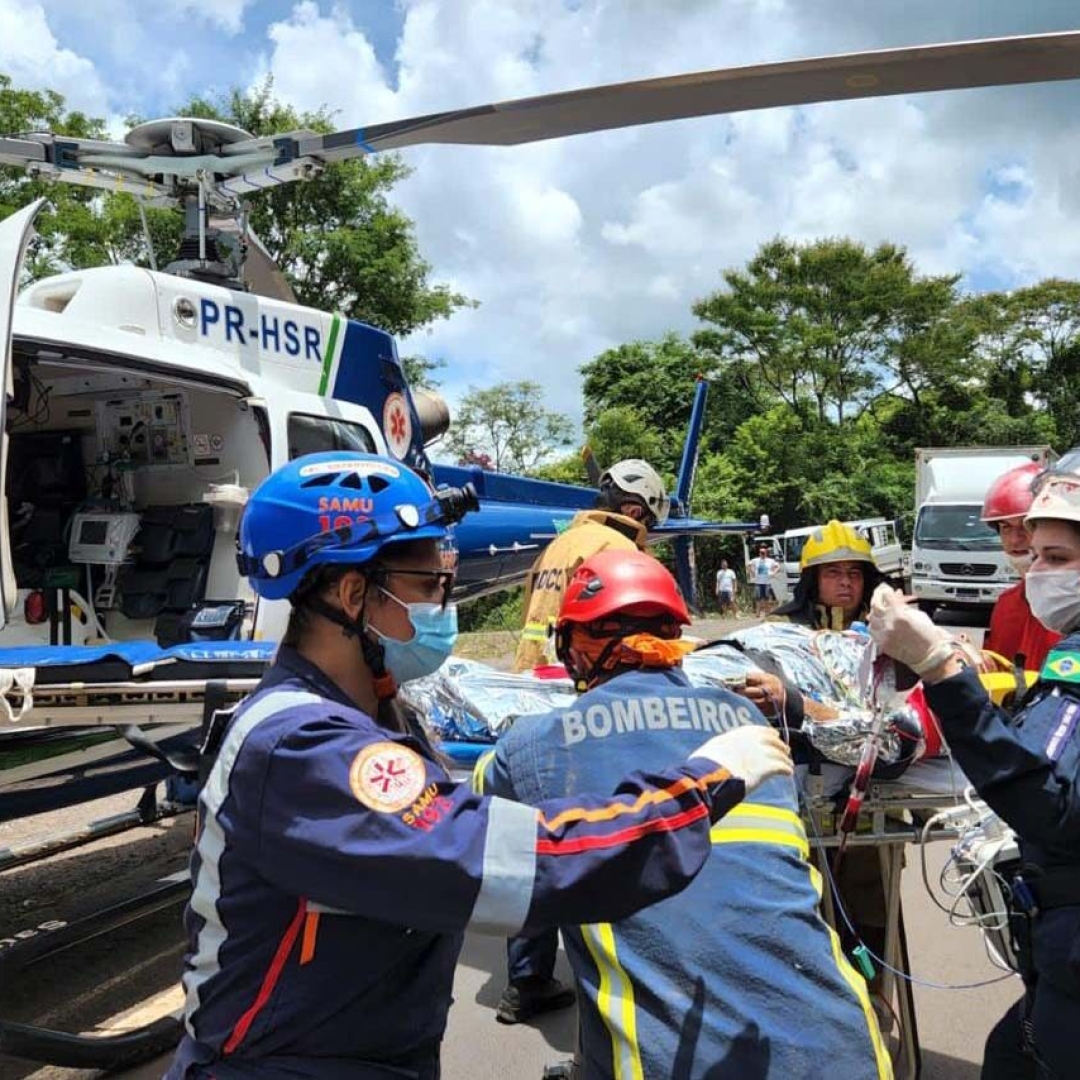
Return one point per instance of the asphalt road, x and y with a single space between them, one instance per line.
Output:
131 977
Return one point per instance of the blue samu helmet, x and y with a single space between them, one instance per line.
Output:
338 507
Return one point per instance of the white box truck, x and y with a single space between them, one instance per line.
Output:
956 559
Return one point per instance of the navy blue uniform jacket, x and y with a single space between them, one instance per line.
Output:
337 866
736 978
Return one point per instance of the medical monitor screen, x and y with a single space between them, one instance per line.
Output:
93 532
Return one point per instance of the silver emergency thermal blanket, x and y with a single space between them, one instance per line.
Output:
831 667
465 701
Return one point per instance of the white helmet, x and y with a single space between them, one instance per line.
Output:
1057 491
637 480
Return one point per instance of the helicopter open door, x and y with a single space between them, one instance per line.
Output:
15 234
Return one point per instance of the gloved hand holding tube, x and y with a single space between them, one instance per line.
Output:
750 753
905 633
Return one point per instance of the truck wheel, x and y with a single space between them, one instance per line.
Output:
928 607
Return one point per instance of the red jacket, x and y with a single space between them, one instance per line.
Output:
1014 630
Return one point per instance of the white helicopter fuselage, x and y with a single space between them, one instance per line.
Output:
169 395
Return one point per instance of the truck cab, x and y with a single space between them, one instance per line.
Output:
956 558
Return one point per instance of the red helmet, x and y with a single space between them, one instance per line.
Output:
614 583
1009 495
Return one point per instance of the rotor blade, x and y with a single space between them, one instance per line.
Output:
20 152
989 62
55 158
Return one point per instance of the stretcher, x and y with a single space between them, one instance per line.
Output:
78 723
895 814
81 722
138 691
133 681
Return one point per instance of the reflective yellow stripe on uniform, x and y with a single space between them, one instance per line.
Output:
535 631
759 823
479 769
762 824
615 1001
858 985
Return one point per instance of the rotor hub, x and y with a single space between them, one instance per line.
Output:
184 136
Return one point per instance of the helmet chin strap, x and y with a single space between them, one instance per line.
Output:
372 650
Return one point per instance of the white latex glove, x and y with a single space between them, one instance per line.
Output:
907 634
751 753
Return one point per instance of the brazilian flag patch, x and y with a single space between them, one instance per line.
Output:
1062 666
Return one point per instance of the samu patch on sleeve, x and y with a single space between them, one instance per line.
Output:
387 776
1063 727
1062 666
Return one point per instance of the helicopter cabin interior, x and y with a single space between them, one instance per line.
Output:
124 489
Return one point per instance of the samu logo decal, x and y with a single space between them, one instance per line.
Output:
387 777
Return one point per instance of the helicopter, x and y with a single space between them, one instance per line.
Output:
132 388
141 407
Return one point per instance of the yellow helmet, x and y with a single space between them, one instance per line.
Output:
1000 686
835 542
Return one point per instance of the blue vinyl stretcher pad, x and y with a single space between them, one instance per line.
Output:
126 660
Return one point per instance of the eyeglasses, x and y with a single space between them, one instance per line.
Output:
444 577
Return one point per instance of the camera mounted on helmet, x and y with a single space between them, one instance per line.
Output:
348 511
338 508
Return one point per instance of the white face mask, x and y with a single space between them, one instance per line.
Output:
1021 563
1054 598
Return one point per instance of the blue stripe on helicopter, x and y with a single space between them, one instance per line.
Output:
368 372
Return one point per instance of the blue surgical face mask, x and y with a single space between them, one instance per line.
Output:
434 633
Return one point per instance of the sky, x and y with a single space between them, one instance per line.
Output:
577 245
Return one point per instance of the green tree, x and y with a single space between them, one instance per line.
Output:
508 423
829 326
1039 348
67 229
620 432
337 238
657 380
420 371
568 469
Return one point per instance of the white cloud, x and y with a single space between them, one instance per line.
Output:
35 60
228 14
577 245
323 60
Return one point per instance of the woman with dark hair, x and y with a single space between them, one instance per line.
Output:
337 865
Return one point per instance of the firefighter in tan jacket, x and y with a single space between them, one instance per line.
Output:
632 500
